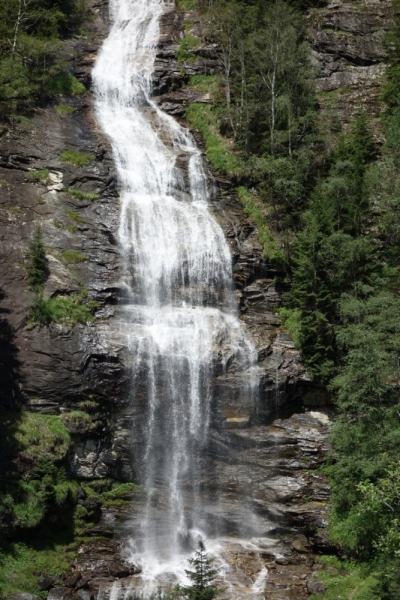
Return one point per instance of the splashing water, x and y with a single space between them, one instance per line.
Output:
181 321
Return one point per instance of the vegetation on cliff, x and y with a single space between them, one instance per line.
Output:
44 311
327 211
31 62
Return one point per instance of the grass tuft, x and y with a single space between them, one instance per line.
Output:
75 217
78 159
64 109
186 47
73 256
41 175
69 310
83 195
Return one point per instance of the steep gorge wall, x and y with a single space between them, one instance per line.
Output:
53 369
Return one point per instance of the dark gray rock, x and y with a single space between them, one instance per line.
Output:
72 580
119 570
58 593
316 587
45 582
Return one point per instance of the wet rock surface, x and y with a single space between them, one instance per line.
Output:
272 551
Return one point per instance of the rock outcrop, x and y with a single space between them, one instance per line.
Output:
348 39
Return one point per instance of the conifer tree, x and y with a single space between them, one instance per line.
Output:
202 577
37 263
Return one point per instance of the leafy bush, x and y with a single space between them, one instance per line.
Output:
33 435
254 208
78 159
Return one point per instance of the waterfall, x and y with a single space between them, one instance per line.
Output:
180 316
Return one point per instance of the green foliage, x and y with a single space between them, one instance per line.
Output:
345 580
90 196
202 577
43 441
36 265
70 310
20 562
186 47
33 435
78 159
30 36
187 4
64 109
64 84
73 257
202 117
41 175
292 321
255 209
120 495
75 217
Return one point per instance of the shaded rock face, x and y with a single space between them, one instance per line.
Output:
348 40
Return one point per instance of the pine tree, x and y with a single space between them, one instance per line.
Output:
202 577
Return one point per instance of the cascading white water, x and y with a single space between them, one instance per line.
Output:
181 309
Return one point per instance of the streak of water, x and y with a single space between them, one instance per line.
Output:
181 320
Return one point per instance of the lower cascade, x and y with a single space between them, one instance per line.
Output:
180 317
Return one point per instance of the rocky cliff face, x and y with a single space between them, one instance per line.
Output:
54 369
348 39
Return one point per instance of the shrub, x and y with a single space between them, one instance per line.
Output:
65 84
70 310
78 159
186 47
36 266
